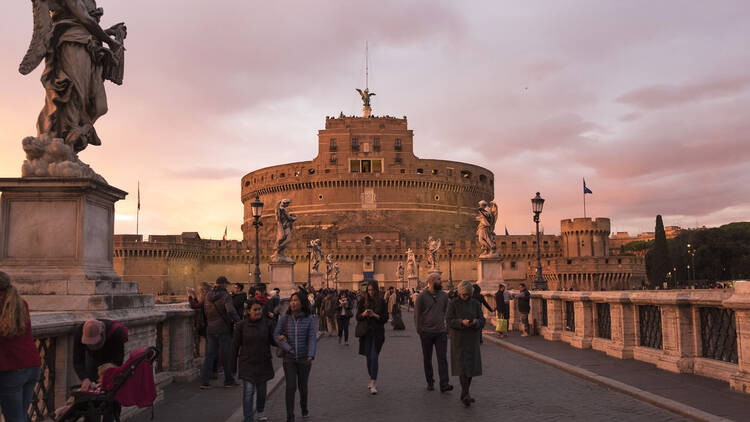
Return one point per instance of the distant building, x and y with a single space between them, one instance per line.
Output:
618 240
369 198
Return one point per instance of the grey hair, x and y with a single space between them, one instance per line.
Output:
465 288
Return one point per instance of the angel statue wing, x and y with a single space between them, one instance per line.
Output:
40 39
494 211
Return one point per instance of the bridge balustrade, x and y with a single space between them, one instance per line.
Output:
704 332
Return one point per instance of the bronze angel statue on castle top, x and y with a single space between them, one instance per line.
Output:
68 37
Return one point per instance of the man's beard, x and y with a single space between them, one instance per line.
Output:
437 286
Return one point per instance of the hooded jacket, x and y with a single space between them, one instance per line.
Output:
220 313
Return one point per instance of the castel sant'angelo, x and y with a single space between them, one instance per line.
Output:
369 199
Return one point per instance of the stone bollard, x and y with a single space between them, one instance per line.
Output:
740 302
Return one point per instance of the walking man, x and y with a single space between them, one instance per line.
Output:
523 298
429 317
220 319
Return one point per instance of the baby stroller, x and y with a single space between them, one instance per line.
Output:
131 384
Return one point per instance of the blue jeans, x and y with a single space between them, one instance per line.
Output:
16 390
214 344
247 399
372 354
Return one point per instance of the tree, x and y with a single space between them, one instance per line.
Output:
658 263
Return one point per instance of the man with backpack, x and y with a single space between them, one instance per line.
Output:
96 342
220 319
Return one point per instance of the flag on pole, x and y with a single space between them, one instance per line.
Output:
225 233
585 189
139 196
506 231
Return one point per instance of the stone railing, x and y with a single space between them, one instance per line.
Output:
167 327
703 332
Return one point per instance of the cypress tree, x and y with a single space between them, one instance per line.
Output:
660 262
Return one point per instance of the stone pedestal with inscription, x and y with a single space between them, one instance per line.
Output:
489 274
56 241
282 277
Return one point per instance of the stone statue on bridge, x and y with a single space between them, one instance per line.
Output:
400 272
285 223
329 268
433 246
316 254
68 37
411 264
487 219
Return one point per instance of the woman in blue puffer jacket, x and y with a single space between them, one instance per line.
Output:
295 334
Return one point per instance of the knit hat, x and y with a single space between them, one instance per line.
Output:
93 330
4 281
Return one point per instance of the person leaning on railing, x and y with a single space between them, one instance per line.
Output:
19 358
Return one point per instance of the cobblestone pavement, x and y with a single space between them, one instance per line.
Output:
513 388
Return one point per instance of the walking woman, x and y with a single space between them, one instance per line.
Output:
19 359
371 318
295 334
465 320
343 315
252 341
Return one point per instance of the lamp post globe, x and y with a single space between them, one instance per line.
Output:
537 204
256 207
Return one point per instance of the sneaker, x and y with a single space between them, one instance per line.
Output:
261 418
205 386
525 335
373 390
305 415
430 386
445 388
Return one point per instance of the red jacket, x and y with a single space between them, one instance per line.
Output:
19 352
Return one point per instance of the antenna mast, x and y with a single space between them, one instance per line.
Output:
367 67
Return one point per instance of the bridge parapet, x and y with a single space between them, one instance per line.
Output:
703 332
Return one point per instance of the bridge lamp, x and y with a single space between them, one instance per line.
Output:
537 203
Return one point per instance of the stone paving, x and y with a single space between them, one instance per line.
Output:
513 388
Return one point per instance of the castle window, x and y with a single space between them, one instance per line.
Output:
606 261
247 184
420 171
354 166
333 158
320 197
434 171
355 144
376 144
513 265
377 166
466 174
397 144
311 171
332 145
397 160
282 175
524 243
483 178
296 173
272 177
367 240
437 197
403 171
619 261
570 261
366 166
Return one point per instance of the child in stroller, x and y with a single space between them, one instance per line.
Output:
130 384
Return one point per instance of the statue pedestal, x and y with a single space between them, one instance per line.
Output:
413 282
282 277
490 274
318 280
56 243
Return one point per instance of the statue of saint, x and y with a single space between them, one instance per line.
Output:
400 272
68 37
486 228
336 274
316 254
285 222
329 268
366 94
432 253
411 264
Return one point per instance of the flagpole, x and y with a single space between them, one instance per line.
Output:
138 211
584 199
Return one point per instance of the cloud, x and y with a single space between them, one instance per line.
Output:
207 173
661 96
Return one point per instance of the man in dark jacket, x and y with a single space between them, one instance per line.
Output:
96 342
523 299
220 319
429 317
239 298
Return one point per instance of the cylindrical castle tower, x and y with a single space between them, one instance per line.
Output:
585 237
366 176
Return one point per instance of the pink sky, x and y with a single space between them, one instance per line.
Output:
649 101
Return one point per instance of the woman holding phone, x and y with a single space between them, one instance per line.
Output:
371 318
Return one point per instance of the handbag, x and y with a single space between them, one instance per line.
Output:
501 326
361 329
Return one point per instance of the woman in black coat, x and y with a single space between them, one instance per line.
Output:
253 338
371 318
465 321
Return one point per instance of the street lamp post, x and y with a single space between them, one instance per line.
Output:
249 263
257 209
450 264
537 203
309 255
